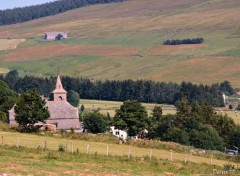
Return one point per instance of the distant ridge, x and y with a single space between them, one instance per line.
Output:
18 15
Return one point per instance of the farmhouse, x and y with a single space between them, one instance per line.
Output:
55 35
62 113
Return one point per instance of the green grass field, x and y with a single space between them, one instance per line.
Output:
21 161
27 161
105 107
138 28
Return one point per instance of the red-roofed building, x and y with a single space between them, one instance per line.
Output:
62 113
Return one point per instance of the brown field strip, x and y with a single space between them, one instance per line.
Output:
173 49
39 52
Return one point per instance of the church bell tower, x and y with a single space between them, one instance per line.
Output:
59 94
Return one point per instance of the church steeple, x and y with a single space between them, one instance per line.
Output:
59 94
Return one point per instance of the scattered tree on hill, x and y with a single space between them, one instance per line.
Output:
227 88
73 98
82 108
157 113
131 116
184 41
30 109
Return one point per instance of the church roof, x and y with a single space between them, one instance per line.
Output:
64 114
58 87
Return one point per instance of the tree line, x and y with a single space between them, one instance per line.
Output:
184 41
194 124
18 15
122 90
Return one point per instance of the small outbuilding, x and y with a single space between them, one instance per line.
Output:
56 35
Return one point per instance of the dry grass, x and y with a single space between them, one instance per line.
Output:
128 39
173 49
110 106
235 115
10 44
3 70
33 141
42 52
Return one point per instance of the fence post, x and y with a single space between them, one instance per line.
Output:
211 159
87 151
72 147
129 152
171 155
151 152
185 160
2 140
66 145
107 150
45 144
18 143
190 158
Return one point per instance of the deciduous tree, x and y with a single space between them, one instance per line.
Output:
30 109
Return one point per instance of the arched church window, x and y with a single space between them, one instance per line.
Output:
60 98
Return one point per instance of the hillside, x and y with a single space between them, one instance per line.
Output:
122 41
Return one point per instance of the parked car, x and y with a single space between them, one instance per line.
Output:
232 152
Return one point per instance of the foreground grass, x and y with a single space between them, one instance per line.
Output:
52 143
24 161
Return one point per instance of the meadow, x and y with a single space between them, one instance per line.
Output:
24 161
124 41
24 154
105 107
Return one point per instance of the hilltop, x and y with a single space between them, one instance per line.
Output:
124 41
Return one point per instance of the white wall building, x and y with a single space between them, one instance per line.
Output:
121 134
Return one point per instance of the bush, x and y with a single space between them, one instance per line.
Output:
207 138
184 41
94 122
61 148
176 135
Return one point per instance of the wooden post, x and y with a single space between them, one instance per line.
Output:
107 150
151 152
72 147
190 158
17 143
87 151
129 152
211 160
66 145
2 140
171 155
185 160
45 144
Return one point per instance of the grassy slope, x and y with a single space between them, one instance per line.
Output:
12 161
141 26
22 161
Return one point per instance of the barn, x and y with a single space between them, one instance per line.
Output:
56 35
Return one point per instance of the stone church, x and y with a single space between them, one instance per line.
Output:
62 113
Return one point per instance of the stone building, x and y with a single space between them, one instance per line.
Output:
55 35
62 113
